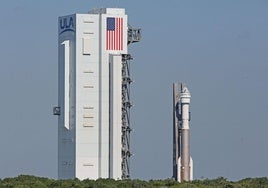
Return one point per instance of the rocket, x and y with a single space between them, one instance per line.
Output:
182 161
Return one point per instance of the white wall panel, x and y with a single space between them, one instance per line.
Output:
115 116
86 46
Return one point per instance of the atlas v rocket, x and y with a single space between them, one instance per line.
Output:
182 161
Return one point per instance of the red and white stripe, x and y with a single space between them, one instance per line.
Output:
114 39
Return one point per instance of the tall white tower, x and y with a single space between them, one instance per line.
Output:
90 107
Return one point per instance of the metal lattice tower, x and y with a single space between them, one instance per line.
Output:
134 35
126 105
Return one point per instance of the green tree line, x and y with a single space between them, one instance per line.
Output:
27 181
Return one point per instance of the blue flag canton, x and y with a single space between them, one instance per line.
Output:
110 24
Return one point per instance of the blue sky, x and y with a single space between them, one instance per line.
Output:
218 48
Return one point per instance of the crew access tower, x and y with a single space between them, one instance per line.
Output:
93 95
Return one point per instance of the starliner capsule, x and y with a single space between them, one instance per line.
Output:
182 161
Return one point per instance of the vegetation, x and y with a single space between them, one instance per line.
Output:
26 181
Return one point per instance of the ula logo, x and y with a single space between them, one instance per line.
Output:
66 24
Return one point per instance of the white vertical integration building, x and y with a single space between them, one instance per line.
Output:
93 128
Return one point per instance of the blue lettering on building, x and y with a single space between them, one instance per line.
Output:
66 24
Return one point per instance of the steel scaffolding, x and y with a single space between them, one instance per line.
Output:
126 105
134 35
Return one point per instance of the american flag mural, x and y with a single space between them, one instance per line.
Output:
114 34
